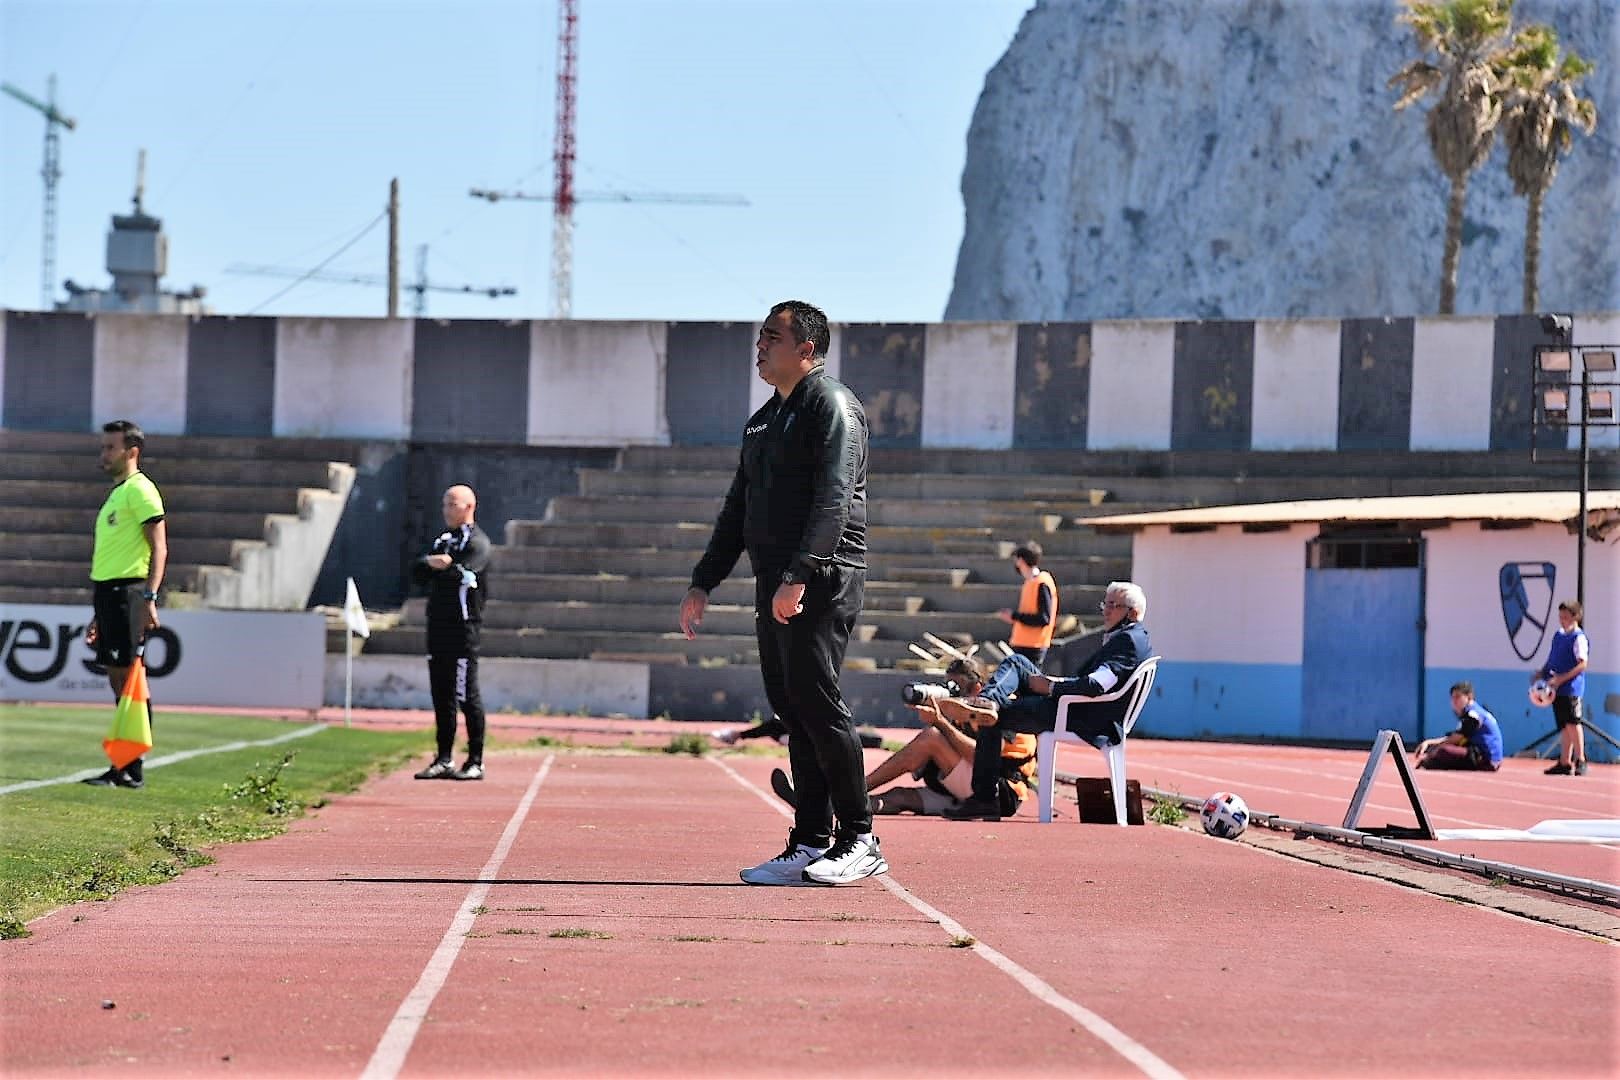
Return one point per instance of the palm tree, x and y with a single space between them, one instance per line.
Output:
1465 37
1539 114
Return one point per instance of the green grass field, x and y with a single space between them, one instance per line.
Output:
70 842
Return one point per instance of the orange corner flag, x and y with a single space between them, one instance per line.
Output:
131 734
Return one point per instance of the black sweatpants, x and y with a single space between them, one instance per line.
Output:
800 661
454 682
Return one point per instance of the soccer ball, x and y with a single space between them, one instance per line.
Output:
1541 694
1225 815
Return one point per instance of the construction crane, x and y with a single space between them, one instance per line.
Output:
54 120
562 195
421 286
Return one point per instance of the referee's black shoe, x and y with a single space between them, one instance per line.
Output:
106 779
783 788
441 769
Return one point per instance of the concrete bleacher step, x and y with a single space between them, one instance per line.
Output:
177 498
583 617
706 647
215 526
76 547
169 472
1111 463
989 566
880 595
879 486
69 574
201 447
248 520
1090 489
1015 515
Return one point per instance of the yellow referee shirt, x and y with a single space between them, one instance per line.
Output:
122 550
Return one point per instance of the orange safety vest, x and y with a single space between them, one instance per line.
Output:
1029 602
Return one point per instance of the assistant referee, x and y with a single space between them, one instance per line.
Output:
126 569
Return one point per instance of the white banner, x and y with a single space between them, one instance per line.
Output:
250 659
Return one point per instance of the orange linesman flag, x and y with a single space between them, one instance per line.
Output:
131 734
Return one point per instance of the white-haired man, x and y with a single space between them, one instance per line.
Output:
1034 708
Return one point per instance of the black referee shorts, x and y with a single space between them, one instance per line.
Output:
119 610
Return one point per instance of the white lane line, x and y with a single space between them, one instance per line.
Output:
168 759
1128 1048
396 1041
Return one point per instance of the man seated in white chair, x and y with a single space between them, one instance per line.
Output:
1034 708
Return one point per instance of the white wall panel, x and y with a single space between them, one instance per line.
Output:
1451 383
1589 330
140 371
1467 628
597 383
1296 385
2 367
969 383
1224 596
347 378
1132 378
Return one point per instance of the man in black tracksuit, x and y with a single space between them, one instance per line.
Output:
797 505
455 571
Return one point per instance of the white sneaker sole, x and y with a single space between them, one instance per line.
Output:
773 879
870 866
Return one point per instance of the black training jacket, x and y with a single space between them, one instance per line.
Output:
456 594
799 497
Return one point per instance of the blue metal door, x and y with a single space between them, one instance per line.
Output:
1363 654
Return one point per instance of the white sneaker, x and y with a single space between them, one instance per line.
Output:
848 860
725 735
786 869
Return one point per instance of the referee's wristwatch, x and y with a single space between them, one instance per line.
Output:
791 577
148 594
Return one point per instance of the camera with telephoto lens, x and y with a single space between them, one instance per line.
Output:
917 693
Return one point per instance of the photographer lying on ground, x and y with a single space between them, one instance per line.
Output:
941 755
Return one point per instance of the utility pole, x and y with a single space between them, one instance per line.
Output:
393 248
52 172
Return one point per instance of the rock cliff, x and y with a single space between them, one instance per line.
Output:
1241 159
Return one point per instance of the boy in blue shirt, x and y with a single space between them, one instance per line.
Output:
1476 744
1565 672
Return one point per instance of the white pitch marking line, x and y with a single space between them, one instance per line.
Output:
167 759
1128 1048
396 1041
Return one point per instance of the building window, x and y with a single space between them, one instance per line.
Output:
1364 550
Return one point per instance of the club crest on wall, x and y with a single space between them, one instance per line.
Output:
1527 592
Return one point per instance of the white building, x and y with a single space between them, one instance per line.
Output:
1329 620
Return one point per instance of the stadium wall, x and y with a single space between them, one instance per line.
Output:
1397 384
1227 611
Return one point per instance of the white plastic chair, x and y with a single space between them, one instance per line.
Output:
1135 691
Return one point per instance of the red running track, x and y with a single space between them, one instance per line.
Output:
615 940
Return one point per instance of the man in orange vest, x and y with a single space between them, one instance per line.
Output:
1036 615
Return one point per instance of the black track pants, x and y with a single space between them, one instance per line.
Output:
454 681
800 661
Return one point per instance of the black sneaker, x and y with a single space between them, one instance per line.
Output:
472 770
975 809
106 779
1559 769
1580 767
441 769
783 788
125 778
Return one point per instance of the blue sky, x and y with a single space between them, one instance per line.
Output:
273 128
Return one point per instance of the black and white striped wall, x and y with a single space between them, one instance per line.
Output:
1420 384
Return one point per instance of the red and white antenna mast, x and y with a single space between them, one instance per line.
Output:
562 156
